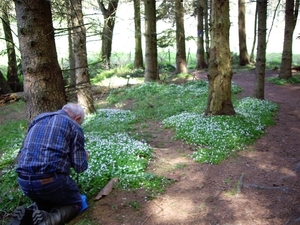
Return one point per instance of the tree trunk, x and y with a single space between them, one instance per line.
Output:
254 35
151 71
291 15
273 20
83 86
12 67
207 8
138 57
220 71
108 28
201 63
4 87
43 81
181 65
244 57
71 33
259 85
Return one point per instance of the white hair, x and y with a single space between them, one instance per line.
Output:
75 109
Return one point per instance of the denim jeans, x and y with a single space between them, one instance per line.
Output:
60 190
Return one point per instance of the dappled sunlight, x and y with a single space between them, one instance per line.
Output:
185 208
178 160
166 209
287 172
159 181
117 81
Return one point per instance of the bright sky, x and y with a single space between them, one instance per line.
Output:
124 33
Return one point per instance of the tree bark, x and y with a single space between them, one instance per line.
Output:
71 33
220 72
244 57
181 64
201 63
259 86
151 71
109 14
12 67
254 35
83 86
273 20
291 14
43 81
138 56
206 25
4 87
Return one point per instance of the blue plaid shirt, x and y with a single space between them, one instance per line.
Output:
54 143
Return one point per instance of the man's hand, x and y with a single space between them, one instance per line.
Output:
87 155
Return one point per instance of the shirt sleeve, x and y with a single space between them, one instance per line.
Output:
78 156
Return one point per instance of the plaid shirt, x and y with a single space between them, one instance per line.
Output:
54 143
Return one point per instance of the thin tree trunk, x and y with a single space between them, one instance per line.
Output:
108 28
4 87
274 16
138 57
206 18
254 35
12 67
201 63
72 71
244 57
151 71
84 91
291 14
181 64
259 85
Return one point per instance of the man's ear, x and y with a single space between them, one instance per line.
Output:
78 119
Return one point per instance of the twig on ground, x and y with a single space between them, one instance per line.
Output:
297 169
268 188
161 209
240 184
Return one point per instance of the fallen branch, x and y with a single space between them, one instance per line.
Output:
9 98
107 189
240 185
297 169
268 188
145 220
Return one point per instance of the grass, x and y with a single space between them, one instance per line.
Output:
295 79
117 150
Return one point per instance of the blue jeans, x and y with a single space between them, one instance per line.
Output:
48 193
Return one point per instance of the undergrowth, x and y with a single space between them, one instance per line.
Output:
115 151
295 79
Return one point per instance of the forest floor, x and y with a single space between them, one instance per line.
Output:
257 186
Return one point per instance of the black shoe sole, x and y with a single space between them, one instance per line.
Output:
17 216
37 217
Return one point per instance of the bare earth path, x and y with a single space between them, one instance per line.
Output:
259 186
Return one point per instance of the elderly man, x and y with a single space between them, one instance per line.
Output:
54 144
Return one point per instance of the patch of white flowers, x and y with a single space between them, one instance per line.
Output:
108 117
218 136
12 148
114 154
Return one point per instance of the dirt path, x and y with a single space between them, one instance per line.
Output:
212 194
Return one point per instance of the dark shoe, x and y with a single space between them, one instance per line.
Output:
17 216
57 216
22 215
